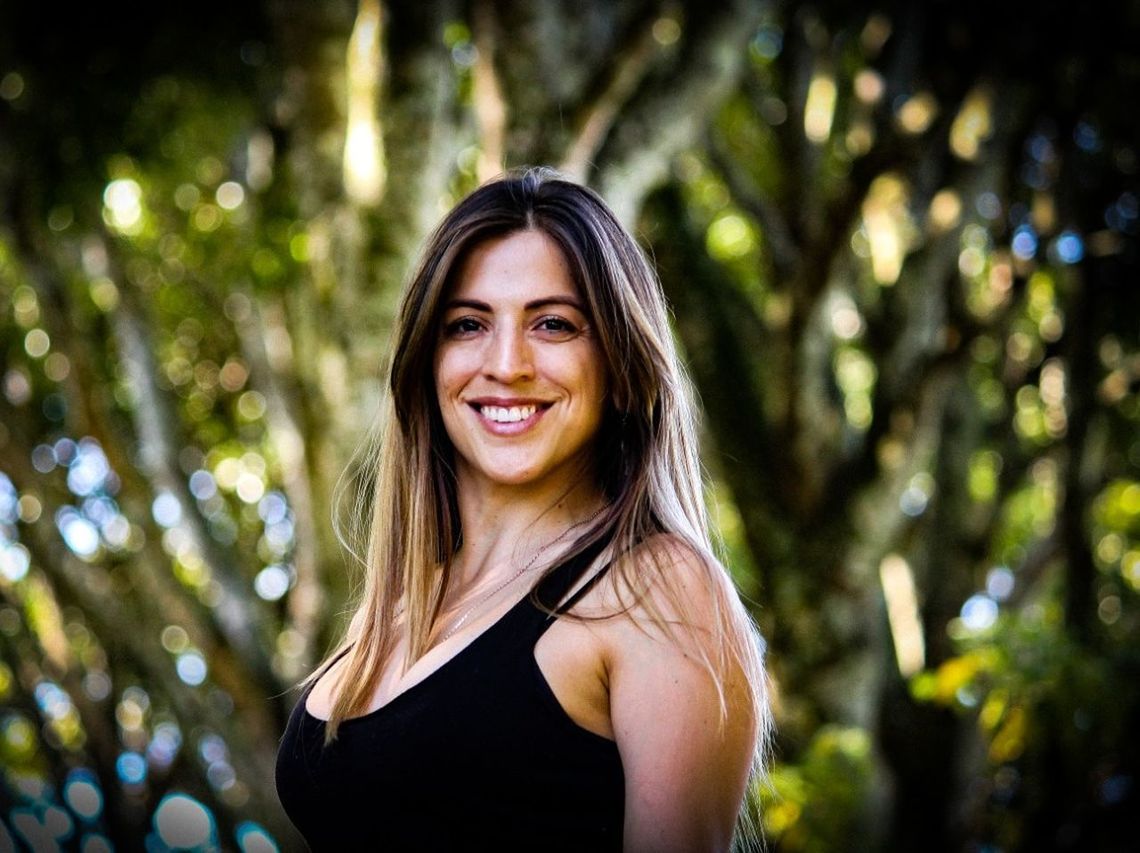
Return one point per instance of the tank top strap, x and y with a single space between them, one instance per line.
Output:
561 579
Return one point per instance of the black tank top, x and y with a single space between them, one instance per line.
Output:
479 755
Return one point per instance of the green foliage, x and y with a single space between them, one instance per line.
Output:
903 262
1054 748
817 803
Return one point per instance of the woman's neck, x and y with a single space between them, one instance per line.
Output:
504 529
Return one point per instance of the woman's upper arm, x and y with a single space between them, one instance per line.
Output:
685 772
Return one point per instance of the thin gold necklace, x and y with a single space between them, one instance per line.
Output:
530 563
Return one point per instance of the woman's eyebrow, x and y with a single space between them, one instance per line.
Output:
555 300
475 305
467 303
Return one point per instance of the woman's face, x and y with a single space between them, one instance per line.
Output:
519 376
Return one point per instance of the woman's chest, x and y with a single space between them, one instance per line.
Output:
492 727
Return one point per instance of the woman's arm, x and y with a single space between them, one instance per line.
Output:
685 773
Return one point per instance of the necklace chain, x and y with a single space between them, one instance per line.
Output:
530 564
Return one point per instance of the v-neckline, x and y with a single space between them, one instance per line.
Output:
413 687
556 577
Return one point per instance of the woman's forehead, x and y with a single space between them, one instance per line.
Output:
519 267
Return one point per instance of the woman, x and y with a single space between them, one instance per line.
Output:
546 654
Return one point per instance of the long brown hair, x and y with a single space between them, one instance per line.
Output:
647 448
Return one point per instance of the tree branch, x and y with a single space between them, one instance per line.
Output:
487 94
237 614
672 114
266 321
785 254
597 117
251 747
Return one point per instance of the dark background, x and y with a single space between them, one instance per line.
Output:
900 240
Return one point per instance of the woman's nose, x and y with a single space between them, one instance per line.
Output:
510 358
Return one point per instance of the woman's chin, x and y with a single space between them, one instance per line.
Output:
516 476
509 478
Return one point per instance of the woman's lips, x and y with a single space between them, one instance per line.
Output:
503 418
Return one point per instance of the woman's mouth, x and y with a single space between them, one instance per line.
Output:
509 420
507 415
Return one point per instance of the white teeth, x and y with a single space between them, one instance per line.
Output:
501 415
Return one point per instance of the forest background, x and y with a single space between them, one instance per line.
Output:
900 240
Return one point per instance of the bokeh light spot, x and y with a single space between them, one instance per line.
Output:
93 842
82 794
122 200
819 110
14 562
11 86
166 509
182 822
1024 243
730 236
97 685
164 745
918 112
202 485
272 508
251 838
869 86
251 405
271 583
979 612
131 768
999 583
230 195
81 536
249 487
191 667
666 31
37 343
90 471
1069 247
17 387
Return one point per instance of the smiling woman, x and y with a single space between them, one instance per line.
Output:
544 630
520 378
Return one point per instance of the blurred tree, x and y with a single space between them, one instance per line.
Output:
893 261
899 243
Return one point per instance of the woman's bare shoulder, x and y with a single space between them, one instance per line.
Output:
684 721
665 571
665 587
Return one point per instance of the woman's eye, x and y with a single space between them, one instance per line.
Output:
557 325
462 326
